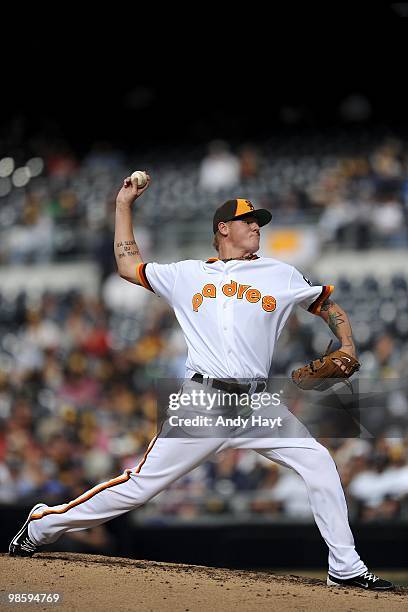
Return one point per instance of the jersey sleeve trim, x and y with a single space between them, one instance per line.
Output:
326 291
141 276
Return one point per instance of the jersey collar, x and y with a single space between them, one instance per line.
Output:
213 259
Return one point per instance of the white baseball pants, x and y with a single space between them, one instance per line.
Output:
167 459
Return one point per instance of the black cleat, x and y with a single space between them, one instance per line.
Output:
21 545
368 581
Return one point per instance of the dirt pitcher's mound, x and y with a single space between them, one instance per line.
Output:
91 582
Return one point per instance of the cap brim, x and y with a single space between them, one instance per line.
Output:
262 215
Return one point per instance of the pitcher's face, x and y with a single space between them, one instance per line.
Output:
245 234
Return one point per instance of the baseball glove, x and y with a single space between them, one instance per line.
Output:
323 373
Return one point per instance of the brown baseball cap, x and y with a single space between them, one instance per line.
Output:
239 209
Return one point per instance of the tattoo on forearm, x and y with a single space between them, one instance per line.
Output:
339 323
327 304
334 321
127 247
125 243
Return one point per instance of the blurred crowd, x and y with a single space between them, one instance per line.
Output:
56 206
78 400
78 405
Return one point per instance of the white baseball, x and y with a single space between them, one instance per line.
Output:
139 177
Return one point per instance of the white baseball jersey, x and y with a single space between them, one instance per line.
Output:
231 313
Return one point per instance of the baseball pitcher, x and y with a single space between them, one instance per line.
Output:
232 309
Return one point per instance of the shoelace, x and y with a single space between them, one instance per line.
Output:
370 576
28 545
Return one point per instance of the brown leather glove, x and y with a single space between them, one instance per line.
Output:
324 372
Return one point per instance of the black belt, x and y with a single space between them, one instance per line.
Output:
230 387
